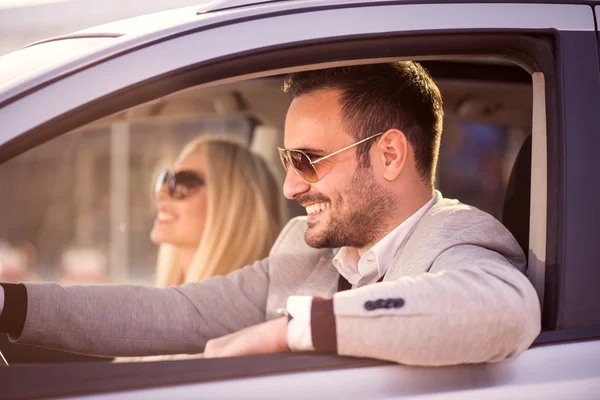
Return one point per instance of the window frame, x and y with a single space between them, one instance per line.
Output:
536 55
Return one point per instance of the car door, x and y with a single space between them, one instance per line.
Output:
231 45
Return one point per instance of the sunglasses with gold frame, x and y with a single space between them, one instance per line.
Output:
302 164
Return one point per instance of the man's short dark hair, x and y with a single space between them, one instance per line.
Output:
378 97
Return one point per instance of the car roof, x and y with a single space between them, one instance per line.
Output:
156 21
68 53
214 5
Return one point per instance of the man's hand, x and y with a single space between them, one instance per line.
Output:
268 337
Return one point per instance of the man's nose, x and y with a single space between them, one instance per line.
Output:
293 186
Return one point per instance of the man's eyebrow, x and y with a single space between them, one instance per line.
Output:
316 152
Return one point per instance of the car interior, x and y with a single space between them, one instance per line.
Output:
485 161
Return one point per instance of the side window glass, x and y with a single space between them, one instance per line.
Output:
80 208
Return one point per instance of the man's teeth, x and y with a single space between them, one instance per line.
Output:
317 207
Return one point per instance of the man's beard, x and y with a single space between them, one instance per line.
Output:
358 219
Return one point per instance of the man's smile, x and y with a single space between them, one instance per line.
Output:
315 210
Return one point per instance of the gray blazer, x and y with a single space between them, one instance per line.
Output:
460 274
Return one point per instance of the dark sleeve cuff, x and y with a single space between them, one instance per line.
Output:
12 317
322 325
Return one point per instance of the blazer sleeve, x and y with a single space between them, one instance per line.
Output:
473 306
121 320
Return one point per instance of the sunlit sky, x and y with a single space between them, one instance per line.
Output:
24 3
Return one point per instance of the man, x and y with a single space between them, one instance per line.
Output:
383 266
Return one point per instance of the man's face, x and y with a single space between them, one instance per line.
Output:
347 205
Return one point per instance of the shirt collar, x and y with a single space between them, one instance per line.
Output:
375 262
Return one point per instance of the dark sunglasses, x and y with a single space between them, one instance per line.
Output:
304 166
179 184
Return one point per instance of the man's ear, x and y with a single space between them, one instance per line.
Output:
393 147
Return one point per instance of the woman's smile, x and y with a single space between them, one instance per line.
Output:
165 216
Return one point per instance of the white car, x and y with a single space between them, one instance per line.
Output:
72 107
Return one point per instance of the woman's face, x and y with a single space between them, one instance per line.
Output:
180 222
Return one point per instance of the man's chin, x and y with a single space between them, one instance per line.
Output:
311 237
316 236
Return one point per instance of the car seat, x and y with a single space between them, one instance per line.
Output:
515 212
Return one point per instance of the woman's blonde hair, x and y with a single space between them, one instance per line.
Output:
242 216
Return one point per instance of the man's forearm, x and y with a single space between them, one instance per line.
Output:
13 308
126 320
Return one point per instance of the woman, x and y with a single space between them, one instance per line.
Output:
218 210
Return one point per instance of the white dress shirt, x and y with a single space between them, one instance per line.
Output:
358 271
